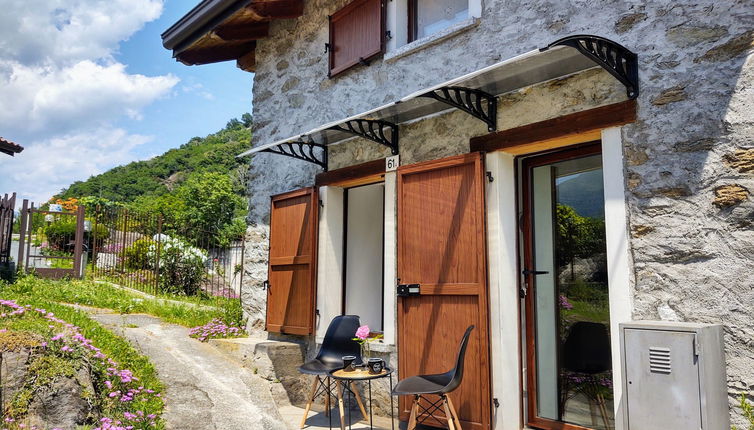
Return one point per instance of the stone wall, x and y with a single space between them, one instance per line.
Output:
689 159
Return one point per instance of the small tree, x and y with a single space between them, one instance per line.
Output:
210 207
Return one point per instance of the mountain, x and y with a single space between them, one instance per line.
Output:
584 193
160 175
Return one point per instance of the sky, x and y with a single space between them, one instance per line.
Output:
85 85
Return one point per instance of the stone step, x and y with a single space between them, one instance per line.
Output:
274 360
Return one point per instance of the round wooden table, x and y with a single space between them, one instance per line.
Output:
344 380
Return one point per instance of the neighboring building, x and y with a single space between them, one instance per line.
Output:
562 165
10 148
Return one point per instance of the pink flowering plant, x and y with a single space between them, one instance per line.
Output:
365 337
216 329
125 401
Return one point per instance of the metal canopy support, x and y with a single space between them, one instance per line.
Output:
373 130
613 57
301 151
477 103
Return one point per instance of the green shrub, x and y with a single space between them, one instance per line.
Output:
182 268
61 233
137 255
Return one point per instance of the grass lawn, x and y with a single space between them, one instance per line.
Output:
101 295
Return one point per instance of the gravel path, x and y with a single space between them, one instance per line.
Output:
203 388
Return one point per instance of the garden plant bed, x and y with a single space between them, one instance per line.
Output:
66 371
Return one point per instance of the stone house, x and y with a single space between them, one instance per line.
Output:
562 167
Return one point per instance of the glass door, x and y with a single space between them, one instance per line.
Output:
569 374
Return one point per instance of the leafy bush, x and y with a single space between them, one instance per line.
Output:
61 233
137 255
181 265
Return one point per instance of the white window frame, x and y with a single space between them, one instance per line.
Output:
397 24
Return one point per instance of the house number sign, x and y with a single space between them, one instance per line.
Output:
392 163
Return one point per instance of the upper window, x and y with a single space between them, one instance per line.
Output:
430 16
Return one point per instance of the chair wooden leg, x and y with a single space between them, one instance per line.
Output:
412 417
448 415
360 402
455 413
340 406
309 401
327 397
603 410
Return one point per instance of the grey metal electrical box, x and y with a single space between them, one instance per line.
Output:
674 376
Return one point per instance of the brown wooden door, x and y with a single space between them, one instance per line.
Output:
441 246
291 289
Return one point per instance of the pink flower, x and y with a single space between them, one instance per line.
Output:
363 332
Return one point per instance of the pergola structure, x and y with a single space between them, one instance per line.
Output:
10 148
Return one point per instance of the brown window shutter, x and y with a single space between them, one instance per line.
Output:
291 282
357 33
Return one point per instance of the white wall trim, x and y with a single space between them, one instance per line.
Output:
618 255
390 259
502 239
329 258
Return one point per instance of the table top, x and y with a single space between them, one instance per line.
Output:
359 374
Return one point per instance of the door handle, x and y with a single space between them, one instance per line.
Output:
527 272
266 284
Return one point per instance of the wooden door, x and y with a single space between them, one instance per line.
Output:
291 286
442 247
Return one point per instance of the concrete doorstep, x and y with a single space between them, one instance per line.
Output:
278 362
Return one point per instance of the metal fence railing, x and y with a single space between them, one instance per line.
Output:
148 252
7 212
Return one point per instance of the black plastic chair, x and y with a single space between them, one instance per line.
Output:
338 342
586 351
440 384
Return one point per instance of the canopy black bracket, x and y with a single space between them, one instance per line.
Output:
373 130
477 103
302 151
611 56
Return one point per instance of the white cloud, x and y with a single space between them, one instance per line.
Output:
47 166
62 92
48 101
40 32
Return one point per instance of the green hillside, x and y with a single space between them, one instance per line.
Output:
164 173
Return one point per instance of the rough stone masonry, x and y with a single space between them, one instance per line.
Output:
688 159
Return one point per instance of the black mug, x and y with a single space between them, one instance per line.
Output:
376 365
348 363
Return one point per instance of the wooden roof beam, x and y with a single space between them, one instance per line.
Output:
243 32
215 54
248 62
277 9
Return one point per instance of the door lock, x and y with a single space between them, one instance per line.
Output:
406 290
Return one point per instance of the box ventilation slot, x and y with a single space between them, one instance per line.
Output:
659 360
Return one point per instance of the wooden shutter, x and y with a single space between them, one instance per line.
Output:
356 34
291 289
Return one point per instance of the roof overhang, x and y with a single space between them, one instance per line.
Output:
9 147
475 93
224 30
